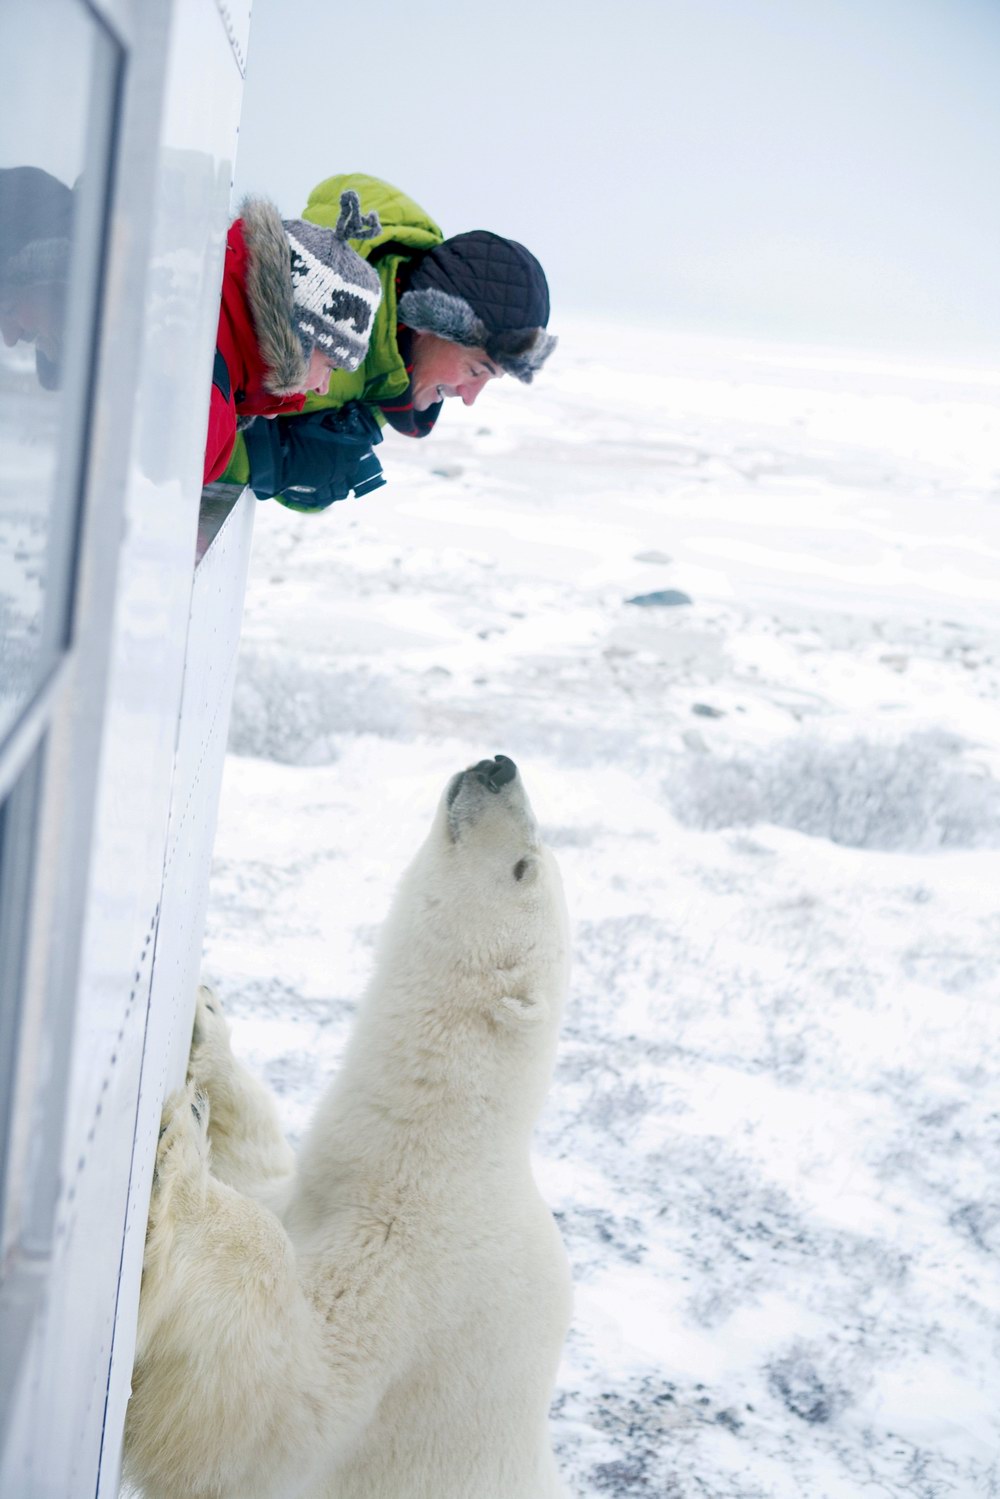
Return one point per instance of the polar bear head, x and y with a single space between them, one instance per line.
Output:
475 952
499 886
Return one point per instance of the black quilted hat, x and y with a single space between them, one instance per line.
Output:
485 292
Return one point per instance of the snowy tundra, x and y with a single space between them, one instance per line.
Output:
382 1318
772 1143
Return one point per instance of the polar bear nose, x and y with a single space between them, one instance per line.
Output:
495 773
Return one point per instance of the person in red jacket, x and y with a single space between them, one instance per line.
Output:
297 302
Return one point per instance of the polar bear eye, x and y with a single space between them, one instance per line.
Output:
519 869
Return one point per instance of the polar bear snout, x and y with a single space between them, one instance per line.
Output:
493 774
483 793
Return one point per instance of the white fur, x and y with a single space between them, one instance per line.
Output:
395 1333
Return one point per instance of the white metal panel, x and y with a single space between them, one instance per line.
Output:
62 1416
209 675
235 15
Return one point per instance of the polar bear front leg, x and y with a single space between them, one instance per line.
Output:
180 1183
249 1151
229 1389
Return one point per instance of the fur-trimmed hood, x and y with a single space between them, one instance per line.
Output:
269 295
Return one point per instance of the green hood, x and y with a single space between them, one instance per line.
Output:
403 222
405 228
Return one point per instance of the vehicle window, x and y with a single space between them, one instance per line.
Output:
51 218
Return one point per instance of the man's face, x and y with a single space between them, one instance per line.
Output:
442 369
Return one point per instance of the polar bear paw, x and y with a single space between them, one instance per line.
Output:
211 1057
182 1154
210 1025
176 1208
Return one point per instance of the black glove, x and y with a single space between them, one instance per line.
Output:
311 460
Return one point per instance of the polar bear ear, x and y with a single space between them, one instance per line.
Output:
519 1009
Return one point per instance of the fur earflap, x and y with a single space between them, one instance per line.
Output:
269 292
522 353
431 310
39 263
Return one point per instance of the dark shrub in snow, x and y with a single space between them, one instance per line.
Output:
916 793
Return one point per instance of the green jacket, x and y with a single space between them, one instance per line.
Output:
405 228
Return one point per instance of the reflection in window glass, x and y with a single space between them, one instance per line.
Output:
47 67
16 839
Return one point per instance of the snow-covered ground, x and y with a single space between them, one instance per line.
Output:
773 1139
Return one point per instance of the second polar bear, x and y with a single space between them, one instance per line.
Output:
383 1318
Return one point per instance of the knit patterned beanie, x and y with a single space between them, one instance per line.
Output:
335 293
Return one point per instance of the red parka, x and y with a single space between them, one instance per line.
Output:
260 368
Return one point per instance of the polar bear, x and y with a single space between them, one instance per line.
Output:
381 1318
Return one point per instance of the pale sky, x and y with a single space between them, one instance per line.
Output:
820 171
